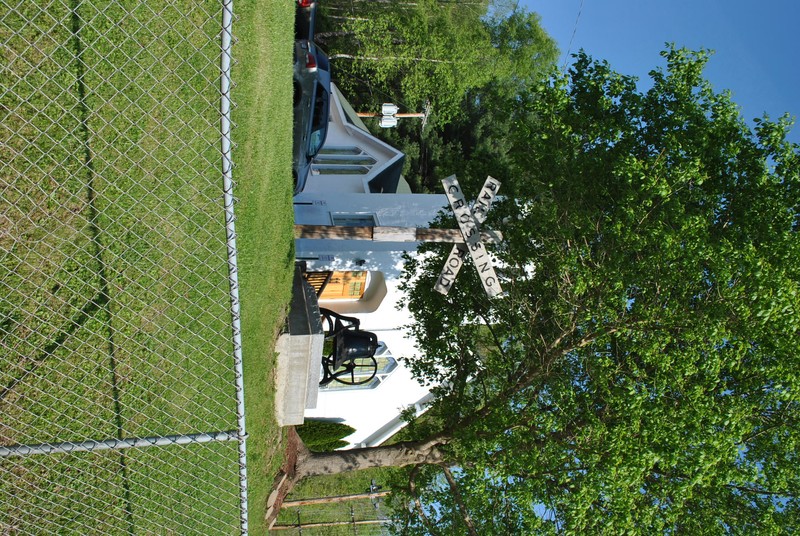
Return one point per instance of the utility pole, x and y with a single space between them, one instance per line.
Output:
388 234
399 115
390 113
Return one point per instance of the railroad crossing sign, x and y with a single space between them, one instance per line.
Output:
469 222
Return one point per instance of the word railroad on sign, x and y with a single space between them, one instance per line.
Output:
469 222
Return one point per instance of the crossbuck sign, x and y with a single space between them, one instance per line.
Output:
469 222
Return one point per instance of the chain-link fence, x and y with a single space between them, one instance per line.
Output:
332 516
120 373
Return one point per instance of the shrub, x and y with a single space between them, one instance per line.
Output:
324 436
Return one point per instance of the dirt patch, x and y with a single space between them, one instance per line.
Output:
285 479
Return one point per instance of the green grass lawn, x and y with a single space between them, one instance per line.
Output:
352 483
266 245
114 309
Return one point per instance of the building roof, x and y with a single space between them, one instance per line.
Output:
389 180
349 112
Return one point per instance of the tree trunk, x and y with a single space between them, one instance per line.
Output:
301 463
398 455
339 17
325 35
388 58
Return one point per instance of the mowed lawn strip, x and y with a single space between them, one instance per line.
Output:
262 160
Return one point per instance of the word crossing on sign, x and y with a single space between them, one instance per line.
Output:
469 222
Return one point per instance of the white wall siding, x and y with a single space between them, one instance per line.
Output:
372 412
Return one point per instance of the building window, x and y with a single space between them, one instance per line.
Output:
331 169
340 150
386 365
344 219
342 160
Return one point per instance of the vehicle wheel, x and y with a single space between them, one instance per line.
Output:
297 94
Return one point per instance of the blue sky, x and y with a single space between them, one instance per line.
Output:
757 51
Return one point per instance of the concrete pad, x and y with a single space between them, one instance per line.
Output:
299 355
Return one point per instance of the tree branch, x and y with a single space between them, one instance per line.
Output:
389 58
412 489
459 501
755 491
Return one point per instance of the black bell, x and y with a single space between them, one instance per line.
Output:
355 344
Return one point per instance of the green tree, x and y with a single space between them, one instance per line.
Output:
431 50
470 60
471 145
642 372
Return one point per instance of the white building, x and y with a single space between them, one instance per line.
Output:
352 159
356 180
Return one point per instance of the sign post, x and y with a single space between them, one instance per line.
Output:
469 222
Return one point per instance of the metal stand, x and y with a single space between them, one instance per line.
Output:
349 352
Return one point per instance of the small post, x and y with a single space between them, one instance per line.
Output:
335 499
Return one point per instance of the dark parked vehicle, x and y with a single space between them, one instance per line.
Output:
312 90
304 20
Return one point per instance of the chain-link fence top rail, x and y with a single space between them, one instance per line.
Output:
115 299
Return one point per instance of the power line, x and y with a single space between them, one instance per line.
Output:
572 38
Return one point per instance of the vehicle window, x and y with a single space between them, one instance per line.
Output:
315 142
320 115
319 122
